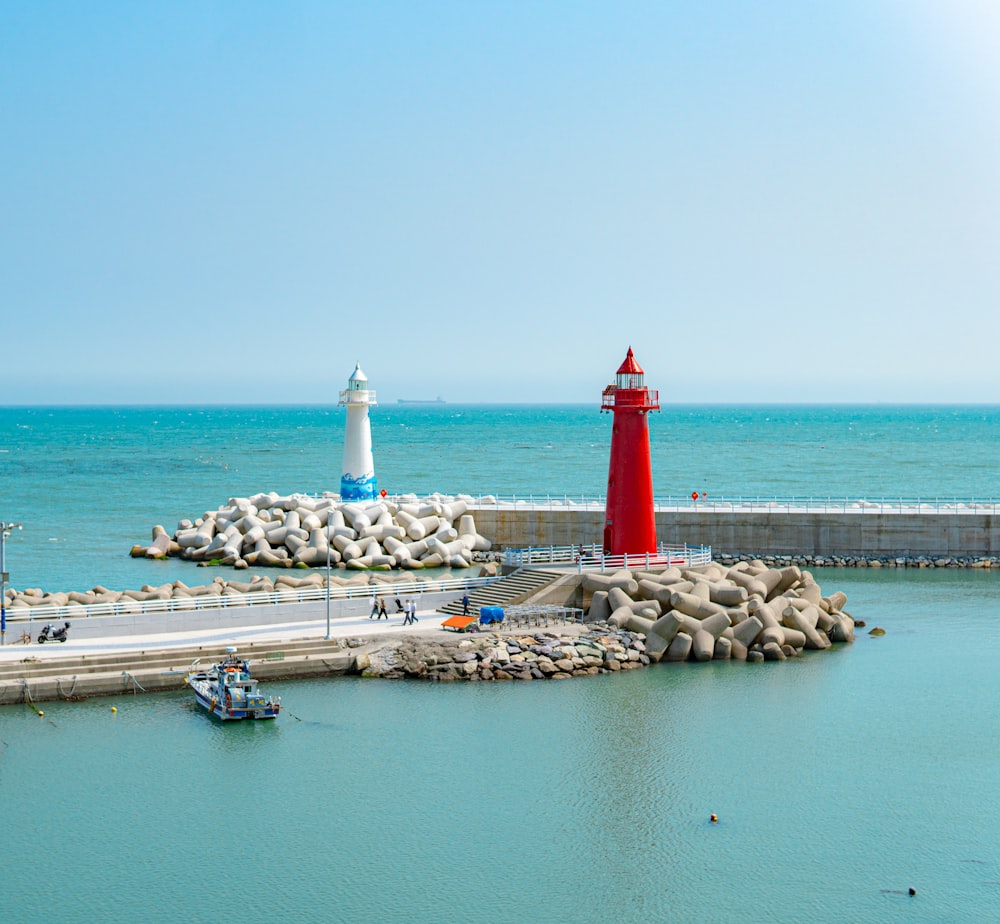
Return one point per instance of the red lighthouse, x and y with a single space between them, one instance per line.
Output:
629 523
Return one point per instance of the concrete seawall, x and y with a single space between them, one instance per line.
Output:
784 532
76 676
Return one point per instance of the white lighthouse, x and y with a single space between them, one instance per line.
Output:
357 479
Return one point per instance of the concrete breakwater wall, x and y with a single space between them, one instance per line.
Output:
71 676
735 533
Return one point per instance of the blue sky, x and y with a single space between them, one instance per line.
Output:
234 202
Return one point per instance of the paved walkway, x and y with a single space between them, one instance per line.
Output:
428 623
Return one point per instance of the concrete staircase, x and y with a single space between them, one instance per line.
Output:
514 588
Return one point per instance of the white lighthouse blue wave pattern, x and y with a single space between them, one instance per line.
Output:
362 488
357 479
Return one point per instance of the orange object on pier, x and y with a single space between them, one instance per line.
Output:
458 622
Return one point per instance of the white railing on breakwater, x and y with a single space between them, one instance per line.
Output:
592 557
747 504
704 503
129 607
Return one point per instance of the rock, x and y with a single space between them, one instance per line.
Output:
695 606
748 630
842 629
679 648
702 646
773 652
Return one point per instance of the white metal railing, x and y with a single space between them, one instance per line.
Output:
127 606
751 504
739 502
592 557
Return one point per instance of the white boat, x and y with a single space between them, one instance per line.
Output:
228 691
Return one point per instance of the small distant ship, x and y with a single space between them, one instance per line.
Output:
438 400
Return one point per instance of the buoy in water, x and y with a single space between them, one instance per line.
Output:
114 708
40 712
714 818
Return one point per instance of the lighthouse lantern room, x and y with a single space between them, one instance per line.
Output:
629 520
357 480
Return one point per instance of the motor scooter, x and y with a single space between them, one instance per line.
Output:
51 634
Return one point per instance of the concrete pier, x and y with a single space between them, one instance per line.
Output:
77 676
812 531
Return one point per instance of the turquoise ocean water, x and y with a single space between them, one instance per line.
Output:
841 779
88 483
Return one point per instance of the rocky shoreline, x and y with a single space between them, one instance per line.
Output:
862 561
744 612
600 649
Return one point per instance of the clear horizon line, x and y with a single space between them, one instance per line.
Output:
447 404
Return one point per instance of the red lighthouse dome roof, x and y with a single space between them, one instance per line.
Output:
630 366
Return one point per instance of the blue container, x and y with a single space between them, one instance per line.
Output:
490 614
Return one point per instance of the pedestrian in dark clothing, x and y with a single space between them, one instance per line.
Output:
465 605
382 614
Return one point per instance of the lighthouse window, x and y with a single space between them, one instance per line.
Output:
629 380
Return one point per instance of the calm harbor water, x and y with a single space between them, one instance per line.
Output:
841 779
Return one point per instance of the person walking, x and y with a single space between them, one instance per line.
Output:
374 613
406 610
413 611
382 614
465 605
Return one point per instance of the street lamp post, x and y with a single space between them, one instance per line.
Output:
5 531
329 524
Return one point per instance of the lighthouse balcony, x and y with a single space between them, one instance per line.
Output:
349 396
645 398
